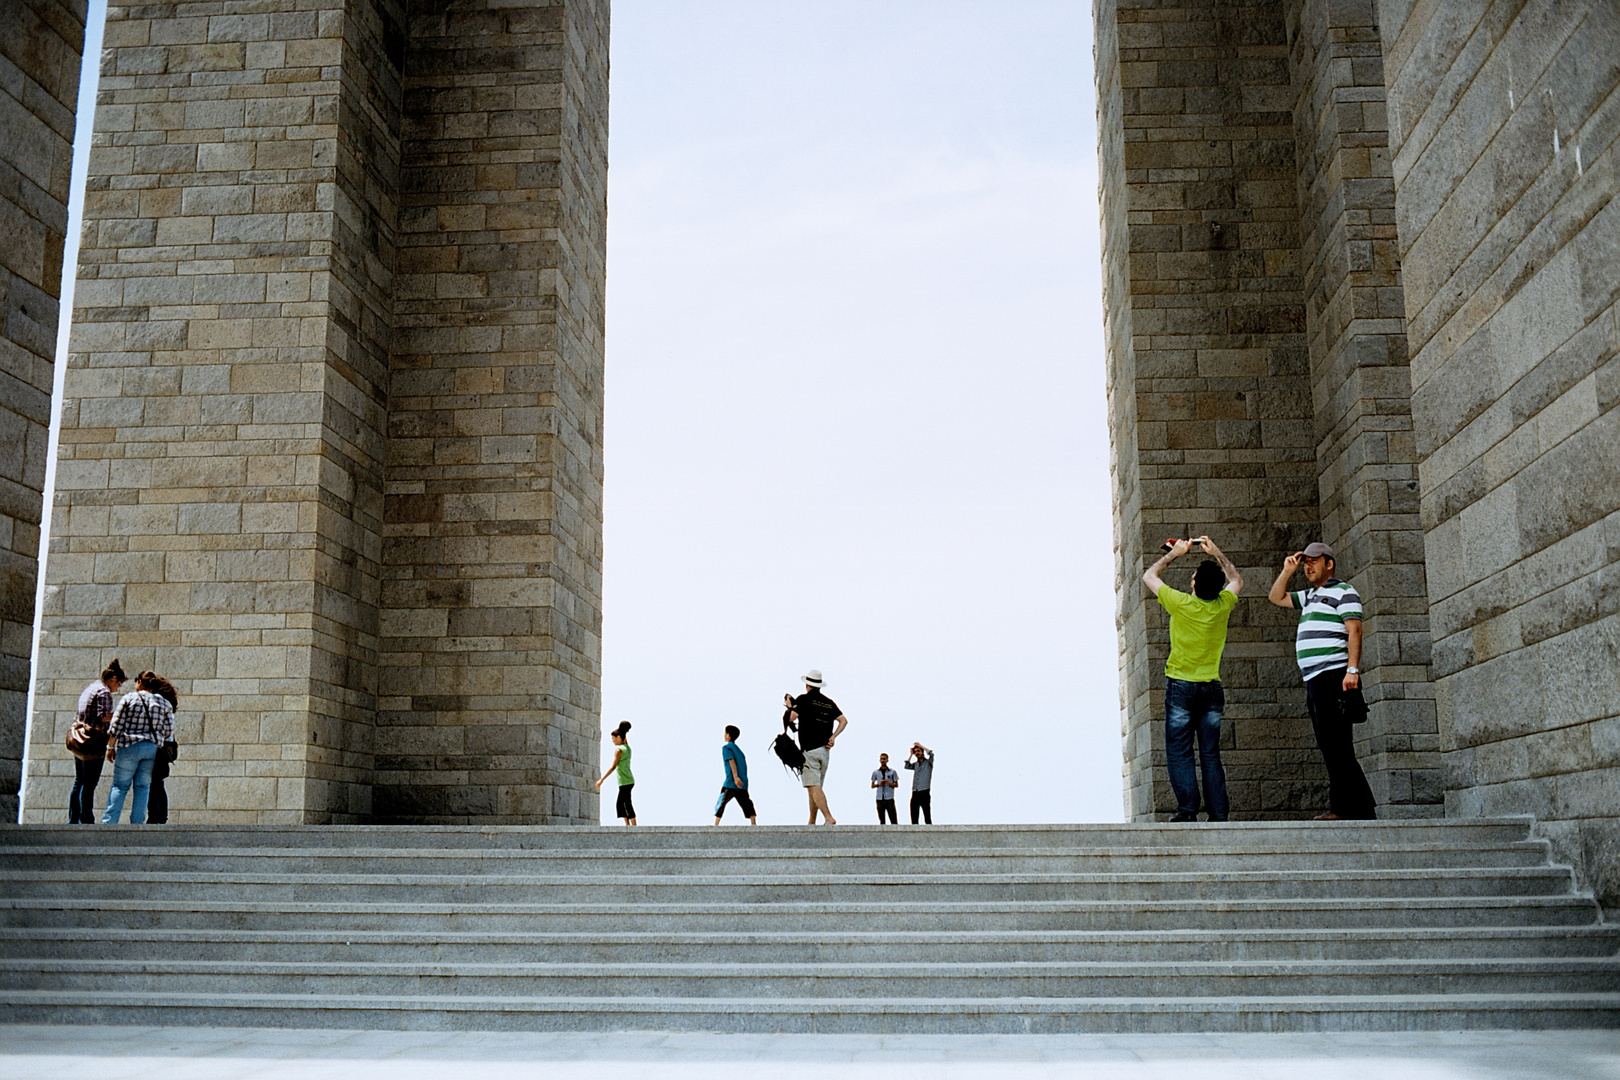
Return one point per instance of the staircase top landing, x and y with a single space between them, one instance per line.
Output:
1224 835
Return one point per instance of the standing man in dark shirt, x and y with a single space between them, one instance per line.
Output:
819 722
921 763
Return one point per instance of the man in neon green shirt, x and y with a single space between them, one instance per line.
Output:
1193 698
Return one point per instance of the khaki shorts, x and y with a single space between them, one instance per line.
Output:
815 767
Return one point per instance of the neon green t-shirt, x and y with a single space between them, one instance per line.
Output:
1197 633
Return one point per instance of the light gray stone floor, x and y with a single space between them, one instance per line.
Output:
36 1052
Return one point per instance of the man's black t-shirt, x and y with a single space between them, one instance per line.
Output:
817 715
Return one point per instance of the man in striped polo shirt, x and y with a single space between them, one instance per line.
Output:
1328 648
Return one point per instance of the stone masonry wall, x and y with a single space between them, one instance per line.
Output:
1361 395
295 210
1503 119
41 42
1218 435
492 560
213 499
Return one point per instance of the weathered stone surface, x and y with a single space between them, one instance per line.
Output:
41 42
1454 254
1502 122
492 549
1448 245
1366 454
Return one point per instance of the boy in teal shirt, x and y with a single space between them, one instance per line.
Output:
735 783
1193 698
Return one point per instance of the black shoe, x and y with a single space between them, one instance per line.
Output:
1184 816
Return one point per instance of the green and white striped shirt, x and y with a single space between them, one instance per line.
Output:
1322 642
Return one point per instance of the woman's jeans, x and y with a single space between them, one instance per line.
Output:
82 799
132 769
1194 708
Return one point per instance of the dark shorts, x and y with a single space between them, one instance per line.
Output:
743 801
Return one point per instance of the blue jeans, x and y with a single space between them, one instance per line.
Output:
82 799
1195 708
132 769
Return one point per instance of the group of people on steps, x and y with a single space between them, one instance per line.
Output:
136 736
1327 647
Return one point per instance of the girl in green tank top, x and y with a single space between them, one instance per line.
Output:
624 809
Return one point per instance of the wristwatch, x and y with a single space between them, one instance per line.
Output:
1353 670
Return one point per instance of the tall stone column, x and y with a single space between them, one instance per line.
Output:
1209 377
492 594
1361 391
219 484
244 312
41 45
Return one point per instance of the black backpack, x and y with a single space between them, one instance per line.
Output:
785 748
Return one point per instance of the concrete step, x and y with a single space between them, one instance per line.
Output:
771 887
608 920
1267 926
822 1014
889 980
1268 835
892 859
744 946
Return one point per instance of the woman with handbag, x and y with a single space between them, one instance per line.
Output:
141 724
87 742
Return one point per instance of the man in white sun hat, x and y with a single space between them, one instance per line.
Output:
819 722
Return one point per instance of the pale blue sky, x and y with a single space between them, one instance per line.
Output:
855 414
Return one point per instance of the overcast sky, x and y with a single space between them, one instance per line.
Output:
855 414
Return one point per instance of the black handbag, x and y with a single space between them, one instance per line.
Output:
1353 706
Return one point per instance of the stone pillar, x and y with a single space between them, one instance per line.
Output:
1356 326
1209 376
243 314
219 484
41 43
492 594
1502 123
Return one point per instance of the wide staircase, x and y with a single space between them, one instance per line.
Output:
1057 928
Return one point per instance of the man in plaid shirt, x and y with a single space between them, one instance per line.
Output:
142 722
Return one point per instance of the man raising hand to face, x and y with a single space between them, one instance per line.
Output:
1327 646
